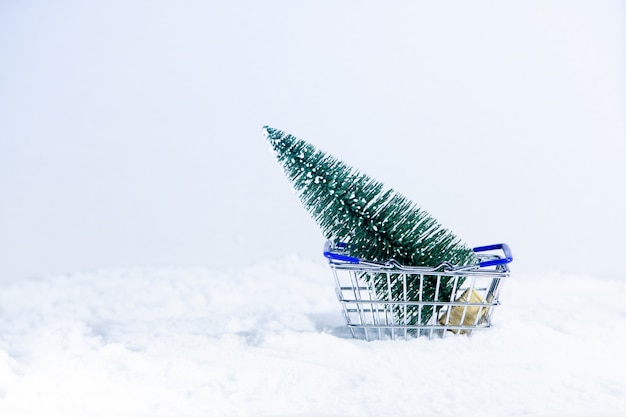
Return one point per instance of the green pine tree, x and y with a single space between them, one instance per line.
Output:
379 223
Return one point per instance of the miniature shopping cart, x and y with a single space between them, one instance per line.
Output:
387 300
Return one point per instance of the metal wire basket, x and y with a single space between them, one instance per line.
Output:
387 300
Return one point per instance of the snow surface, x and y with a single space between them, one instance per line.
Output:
268 340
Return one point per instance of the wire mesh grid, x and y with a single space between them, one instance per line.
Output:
391 301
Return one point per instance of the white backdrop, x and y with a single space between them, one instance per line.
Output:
130 132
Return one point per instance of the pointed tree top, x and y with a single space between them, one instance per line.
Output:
272 134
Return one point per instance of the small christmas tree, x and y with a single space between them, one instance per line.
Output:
378 223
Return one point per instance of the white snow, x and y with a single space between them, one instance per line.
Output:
269 340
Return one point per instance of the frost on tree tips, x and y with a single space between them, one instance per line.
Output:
349 206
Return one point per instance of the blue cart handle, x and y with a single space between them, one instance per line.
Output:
333 256
508 255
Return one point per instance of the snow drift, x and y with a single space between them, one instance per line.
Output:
269 341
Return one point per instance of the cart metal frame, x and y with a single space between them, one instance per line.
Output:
385 311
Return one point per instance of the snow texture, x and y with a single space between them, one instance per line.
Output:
269 340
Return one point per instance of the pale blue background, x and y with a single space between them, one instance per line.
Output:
130 131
